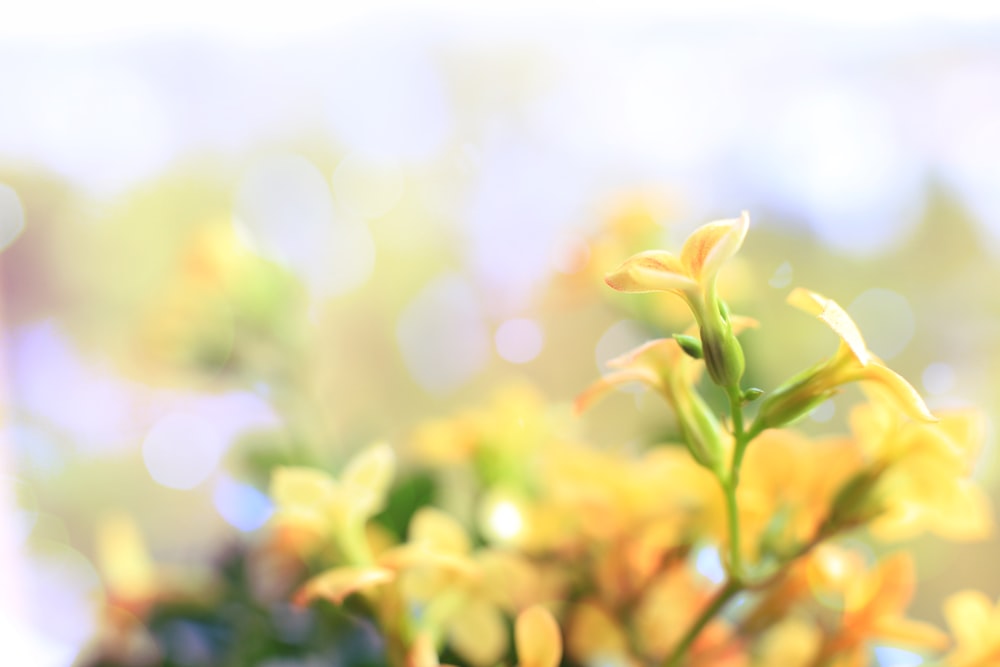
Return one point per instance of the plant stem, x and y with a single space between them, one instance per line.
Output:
733 518
732 481
724 595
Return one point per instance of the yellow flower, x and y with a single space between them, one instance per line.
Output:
664 366
310 500
461 595
692 276
874 609
974 622
852 362
925 480
537 638
787 483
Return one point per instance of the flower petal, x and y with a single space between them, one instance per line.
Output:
300 488
968 615
655 354
600 389
367 477
711 245
338 583
902 392
651 271
911 632
478 633
830 312
537 636
437 531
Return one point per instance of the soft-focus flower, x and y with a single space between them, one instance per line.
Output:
874 610
664 366
668 608
692 276
537 638
852 362
463 595
312 502
924 481
594 635
787 483
974 622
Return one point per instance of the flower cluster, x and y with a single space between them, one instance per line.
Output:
738 541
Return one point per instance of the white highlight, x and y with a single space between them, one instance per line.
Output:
182 450
442 335
782 276
519 340
823 412
284 210
389 100
708 564
618 339
890 656
11 216
243 506
368 188
939 378
505 520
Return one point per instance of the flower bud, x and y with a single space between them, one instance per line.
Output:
795 398
690 345
723 352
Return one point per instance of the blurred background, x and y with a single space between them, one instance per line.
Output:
238 240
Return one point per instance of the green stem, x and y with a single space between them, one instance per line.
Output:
730 484
724 595
733 517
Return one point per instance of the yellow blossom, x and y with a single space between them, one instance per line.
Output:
664 366
311 500
974 622
925 482
464 595
852 362
786 486
692 276
537 638
874 605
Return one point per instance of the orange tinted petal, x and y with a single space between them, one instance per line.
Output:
910 632
711 245
539 642
338 583
651 271
600 389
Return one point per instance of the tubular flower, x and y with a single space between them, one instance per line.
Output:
852 362
692 276
663 365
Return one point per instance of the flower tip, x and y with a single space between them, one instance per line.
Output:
537 638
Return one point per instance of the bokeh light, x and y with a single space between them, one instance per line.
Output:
442 334
519 340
